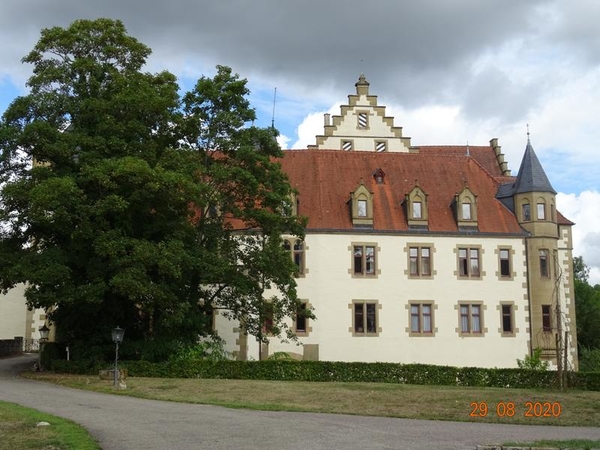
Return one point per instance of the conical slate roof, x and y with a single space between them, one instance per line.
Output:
531 177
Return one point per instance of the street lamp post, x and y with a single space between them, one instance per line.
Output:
44 332
117 337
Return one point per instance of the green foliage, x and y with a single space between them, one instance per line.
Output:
533 361
589 359
327 371
50 352
581 271
131 213
587 305
207 350
281 356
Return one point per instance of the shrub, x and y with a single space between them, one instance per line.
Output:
533 361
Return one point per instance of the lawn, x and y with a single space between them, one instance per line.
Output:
19 431
515 406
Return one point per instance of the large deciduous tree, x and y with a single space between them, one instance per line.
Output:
121 204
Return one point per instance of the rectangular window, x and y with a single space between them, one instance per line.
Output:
466 211
365 318
380 146
417 214
505 262
468 262
541 211
301 318
267 318
544 266
507 319
471 320
346 145
526 209
299 256
420 261
364 260
421 318
546 318
362 208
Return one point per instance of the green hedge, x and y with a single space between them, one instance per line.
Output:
343 372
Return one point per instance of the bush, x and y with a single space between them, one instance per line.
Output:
589 359
290 370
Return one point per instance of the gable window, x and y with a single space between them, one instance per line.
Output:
419 261
380 146
544 264
363 120
364 260
347 145
364 318
468 262
541 211
546 318
421 318
470 319
505 271
526 212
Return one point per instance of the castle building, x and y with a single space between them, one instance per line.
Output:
430 254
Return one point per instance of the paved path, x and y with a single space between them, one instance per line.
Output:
126 423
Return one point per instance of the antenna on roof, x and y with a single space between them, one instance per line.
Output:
468 150
528 134
273 116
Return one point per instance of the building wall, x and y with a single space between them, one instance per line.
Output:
330 287
16 319
13 312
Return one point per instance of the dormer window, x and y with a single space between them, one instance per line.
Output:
416 207
361 205
379 176
465 205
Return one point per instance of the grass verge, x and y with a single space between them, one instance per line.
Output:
19 431
574 408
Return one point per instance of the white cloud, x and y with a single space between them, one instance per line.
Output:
584 210
311 126
283 141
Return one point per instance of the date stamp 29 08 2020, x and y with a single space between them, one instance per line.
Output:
510 409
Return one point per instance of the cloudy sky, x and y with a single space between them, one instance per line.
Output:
450 71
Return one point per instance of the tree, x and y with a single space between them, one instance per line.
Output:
581 272
135 206
246 209
587 304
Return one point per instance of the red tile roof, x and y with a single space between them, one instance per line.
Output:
325 179
484 154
